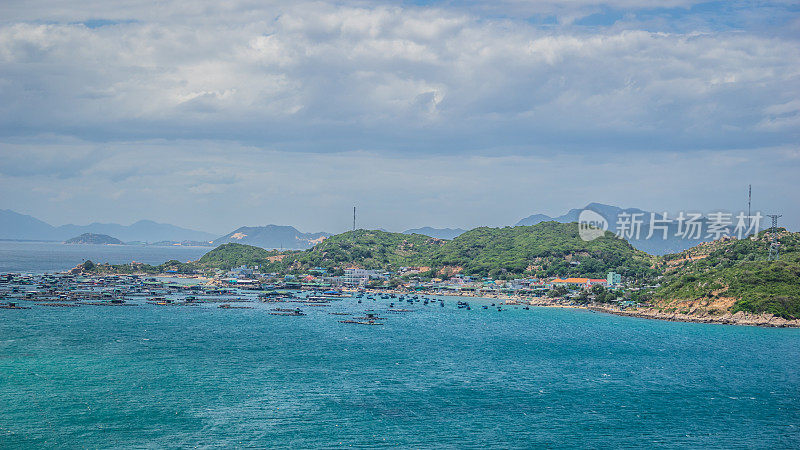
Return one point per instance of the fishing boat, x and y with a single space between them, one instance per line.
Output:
295 312
12 305
370 316
359 322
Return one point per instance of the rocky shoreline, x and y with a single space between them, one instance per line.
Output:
739 318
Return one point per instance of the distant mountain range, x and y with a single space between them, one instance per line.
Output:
655 245
23 227
439 233
273 237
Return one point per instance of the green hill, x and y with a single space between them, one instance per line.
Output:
544 249
734 276
228 256
371 249
91 238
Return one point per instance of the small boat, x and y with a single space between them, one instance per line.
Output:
11 305
358 322
228 306
296 312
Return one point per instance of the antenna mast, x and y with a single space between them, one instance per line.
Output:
354 218
749 197
774 246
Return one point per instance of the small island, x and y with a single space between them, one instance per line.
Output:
91 238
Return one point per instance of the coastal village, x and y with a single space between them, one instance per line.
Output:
359 296
404 281
718 282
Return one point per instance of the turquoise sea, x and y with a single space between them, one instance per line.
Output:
162 377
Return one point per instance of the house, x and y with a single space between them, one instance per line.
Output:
576 283
241 272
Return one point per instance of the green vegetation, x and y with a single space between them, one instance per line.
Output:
172 266
91 238
371 249
228 256
542 250
731 275
546 249
740 270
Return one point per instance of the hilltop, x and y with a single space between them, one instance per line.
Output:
440 233
273 237
730 276
546 249
371 249
230 255
612 215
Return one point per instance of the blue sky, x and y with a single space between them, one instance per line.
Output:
214 114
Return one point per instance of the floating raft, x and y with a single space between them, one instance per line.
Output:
59 305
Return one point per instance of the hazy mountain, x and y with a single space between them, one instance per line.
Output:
14 225
143 230
439 233
533 220
273 236
655 246
19 226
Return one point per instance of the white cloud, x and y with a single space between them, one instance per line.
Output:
387 69
448 116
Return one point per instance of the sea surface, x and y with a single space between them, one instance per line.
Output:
151 376
41 257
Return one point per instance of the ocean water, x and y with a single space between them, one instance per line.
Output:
161 377
40 257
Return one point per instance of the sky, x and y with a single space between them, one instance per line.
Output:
214 115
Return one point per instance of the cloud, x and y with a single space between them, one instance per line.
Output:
450 113
332 77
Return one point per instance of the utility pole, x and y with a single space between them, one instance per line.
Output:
354 218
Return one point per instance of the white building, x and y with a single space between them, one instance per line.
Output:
359 277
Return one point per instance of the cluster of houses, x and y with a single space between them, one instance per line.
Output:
360 278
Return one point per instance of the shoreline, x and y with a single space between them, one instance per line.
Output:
764 320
